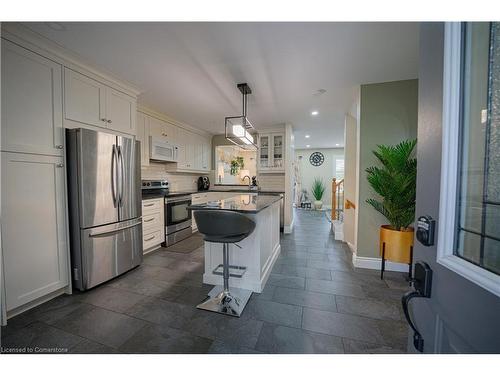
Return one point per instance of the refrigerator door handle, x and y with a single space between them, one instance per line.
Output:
122 176
114 180
115 230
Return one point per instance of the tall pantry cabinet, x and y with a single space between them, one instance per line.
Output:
34 220
44 91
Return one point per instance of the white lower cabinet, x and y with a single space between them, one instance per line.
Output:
153 224
34 227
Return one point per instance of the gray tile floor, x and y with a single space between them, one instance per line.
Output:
314 302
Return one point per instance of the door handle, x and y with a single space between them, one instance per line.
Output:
148 220
122 180
112 231
114 180
422 282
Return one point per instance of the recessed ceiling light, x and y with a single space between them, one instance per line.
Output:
314 113
308 136
308 146
57 26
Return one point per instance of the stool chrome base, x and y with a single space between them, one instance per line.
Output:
230 302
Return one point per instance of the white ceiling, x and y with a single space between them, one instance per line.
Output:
190 70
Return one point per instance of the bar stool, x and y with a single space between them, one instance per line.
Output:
226 227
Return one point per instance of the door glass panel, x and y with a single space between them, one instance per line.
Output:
278 151
478 229
264 151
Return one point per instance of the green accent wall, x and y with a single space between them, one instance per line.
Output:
388 115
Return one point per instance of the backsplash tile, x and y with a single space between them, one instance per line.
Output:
272 181
177 181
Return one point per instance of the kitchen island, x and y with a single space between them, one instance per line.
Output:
257 252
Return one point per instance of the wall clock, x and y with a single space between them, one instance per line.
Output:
316 159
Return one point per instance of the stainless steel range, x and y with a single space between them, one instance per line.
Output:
177 217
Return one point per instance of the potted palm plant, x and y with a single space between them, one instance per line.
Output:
318 189
395 182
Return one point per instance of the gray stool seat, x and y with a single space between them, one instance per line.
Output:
224 227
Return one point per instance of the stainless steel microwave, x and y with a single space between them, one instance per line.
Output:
160 149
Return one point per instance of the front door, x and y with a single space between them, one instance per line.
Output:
458 185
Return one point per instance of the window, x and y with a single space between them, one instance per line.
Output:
478 211
469 227
339 169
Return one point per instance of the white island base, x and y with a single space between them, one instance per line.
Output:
258 252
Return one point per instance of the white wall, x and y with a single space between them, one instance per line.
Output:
325 171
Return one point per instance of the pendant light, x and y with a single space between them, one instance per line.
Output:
238 129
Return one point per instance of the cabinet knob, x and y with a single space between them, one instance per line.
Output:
59 147
103 119
59 165
109 121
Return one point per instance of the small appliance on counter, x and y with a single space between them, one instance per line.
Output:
203 183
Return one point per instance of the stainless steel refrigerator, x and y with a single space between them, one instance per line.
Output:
104 205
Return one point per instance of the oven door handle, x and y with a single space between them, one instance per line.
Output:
178 199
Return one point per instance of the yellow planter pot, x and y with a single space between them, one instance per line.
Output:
397 244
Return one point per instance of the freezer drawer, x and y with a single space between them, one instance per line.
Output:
108 251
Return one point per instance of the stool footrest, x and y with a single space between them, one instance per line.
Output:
238 271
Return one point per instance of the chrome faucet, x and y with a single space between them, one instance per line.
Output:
249 181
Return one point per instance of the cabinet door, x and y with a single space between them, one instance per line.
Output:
198 152
120 111
142 128
84 99
162 129
278 151
182 142
264 151
34 228
206 153
31 102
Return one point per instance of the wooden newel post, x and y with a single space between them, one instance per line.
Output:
334 199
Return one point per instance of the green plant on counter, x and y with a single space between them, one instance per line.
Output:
318 189
395 181
236 165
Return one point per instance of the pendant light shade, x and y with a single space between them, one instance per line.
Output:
238 129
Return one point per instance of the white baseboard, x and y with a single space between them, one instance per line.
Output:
288 228
376 264
351 247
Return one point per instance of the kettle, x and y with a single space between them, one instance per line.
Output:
203 183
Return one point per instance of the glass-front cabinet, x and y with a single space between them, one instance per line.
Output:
271 152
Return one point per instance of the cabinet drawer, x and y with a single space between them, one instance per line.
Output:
154 220
151 205
152 239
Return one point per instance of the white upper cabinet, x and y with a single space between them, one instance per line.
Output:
88 101
31 102
34 232
194 150
120 111
271 153
84 99
142 128
162 129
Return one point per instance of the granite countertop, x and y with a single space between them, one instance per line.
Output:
179 193
241 190
244 203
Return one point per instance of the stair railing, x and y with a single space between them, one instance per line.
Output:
337 199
